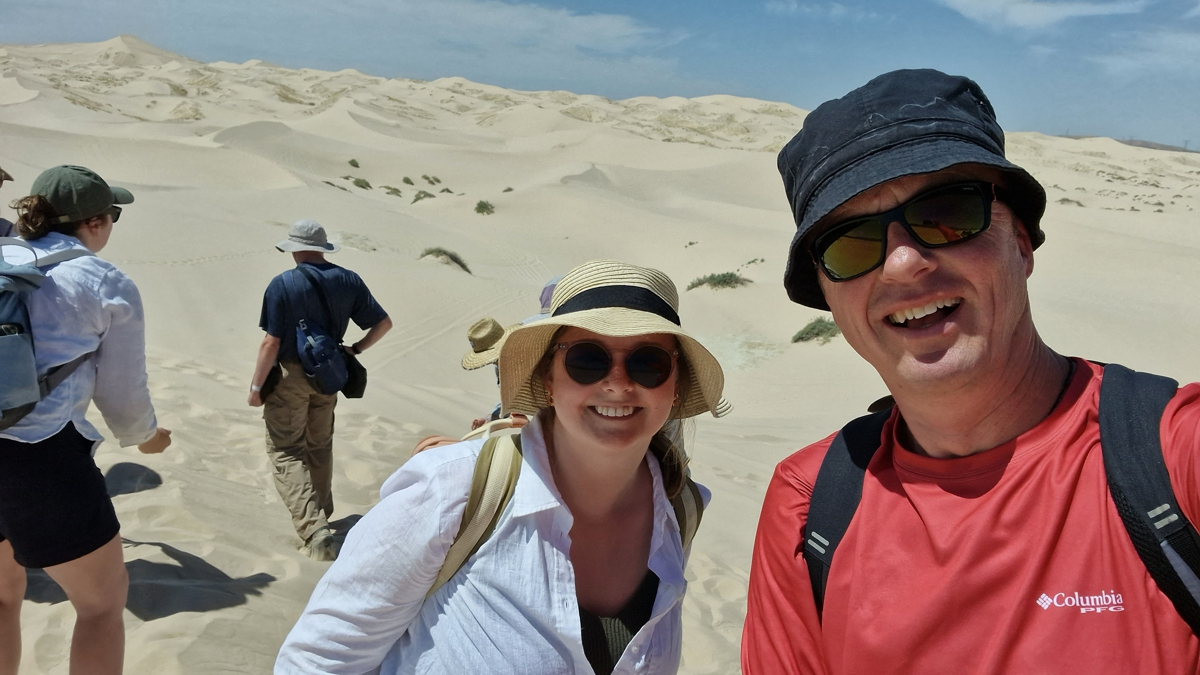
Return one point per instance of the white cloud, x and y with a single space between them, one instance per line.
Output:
1195 12
1037 13
828 10
1159 51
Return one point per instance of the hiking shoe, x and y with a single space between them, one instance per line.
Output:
321 545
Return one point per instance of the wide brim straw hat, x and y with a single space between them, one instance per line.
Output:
614 299
486 338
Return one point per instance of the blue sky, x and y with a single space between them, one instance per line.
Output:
1120 68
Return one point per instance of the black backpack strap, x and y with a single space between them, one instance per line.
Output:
836 495
59 374
1131 409
312 279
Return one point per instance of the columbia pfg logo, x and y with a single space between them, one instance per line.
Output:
1104 601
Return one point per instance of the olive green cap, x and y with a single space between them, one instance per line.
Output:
77 193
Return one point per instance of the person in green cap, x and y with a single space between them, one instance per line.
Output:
6 227
55 512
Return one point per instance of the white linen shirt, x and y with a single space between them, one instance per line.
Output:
86 304
512 607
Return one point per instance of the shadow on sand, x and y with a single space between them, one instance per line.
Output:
341 527
126 478
159 589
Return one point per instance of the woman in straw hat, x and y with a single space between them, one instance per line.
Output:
583 571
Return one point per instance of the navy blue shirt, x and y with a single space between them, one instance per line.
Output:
349 298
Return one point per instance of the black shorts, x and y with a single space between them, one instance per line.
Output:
54 506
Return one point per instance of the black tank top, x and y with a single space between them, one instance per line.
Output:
605 638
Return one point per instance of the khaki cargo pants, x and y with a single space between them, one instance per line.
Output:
300 445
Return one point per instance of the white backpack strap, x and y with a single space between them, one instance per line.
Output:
13 241
46 260
496 471
61 256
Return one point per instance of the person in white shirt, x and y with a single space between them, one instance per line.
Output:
54 508
6 227
584 570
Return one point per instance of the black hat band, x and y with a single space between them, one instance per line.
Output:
629 297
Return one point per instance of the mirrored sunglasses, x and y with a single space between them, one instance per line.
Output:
946 215
648 366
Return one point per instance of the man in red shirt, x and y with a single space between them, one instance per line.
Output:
985 539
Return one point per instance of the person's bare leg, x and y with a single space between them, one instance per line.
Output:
97 585
12 594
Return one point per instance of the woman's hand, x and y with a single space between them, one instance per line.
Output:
157 443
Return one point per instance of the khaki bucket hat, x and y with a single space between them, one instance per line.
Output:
486 337
614 299
307 235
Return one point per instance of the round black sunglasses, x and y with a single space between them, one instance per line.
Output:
648 366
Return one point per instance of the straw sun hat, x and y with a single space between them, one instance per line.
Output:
618 300
486 338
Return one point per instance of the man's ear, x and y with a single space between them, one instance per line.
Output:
1024 244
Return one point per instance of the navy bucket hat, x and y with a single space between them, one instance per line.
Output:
901 123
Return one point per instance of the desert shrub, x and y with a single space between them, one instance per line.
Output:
722 280
690 243
445 190
1066 200
432 180
423 195
407 180
819 328
336 186
361 183
395 192
485 208
507 190
449 257
353 163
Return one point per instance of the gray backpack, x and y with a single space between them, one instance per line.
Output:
20 386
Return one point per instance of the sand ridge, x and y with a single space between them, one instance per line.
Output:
221 157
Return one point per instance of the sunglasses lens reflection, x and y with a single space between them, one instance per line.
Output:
649 366
587 362
947 218
857 250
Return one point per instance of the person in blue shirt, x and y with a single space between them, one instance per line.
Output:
299 419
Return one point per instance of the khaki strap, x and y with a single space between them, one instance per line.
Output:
491 429
496 471
689 509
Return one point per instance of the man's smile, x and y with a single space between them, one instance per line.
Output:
925 315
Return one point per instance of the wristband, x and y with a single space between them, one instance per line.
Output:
255 387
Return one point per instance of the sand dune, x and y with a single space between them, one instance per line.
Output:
222 156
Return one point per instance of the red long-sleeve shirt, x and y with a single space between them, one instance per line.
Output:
1013 560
